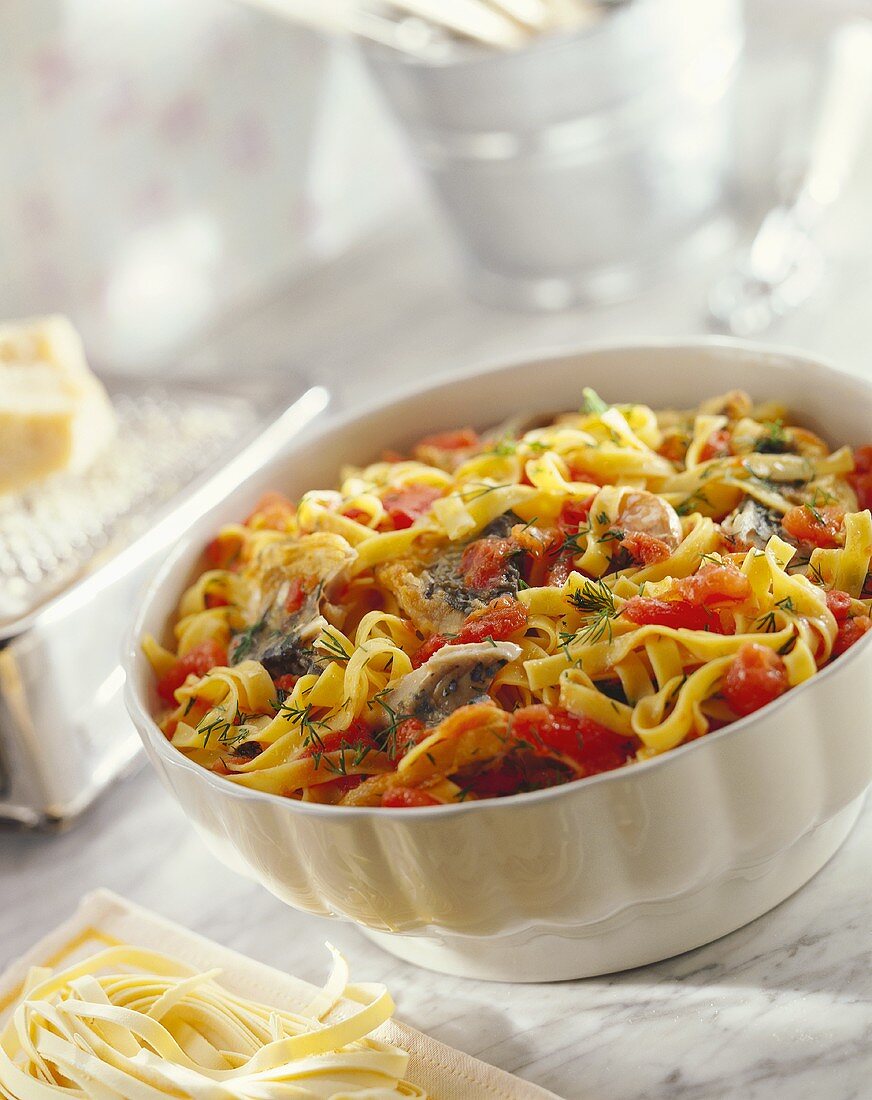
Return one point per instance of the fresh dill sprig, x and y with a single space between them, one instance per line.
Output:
596 603
767 623
614 534
774 440
333 646
689 504
481 490
593 403
821 497
503 448
388 735
245 641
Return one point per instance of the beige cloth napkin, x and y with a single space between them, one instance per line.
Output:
103 918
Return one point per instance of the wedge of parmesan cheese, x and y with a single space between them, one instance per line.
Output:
54 414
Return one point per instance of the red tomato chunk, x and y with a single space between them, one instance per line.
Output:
357 737
296 597
406 505
555 730
816 526
197 661
499 620
849 632
861 478
718 445
756 676
574 514
677 614
483 564
840 604
714 585
645 549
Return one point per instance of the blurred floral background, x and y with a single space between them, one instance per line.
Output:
207 184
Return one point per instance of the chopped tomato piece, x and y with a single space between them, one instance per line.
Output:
357 737
272 511
516 773
677 614
574 514
862 484
849 632
197 661
458 440
287 682
674 447
863 459
499 620
222 551
358 515
297 593
348 782
840 604
409 732
861 478
433 644
718 445
817 526
483 564
404 506
645 549
756 676
555 730
398 798
212 599
714 585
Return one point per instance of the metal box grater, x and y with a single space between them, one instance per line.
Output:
74 553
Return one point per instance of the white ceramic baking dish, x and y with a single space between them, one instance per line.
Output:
600 875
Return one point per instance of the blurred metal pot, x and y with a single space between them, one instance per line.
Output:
574 167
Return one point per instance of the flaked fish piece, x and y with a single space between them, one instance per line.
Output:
435 595
456 676
280 638
752 525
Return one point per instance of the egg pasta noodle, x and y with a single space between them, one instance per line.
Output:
133 1024
498 612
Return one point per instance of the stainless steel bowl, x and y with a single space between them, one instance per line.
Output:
572 168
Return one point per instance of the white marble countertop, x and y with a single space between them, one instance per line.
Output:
779 1009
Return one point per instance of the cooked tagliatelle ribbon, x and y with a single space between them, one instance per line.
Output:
501 611
133 1024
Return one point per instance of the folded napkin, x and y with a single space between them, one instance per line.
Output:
103 919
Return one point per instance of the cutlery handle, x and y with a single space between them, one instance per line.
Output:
842 115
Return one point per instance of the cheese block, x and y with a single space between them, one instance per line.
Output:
54 414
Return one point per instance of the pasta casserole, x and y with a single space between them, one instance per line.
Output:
498 612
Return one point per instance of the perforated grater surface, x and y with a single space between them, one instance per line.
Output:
74 554
49 535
